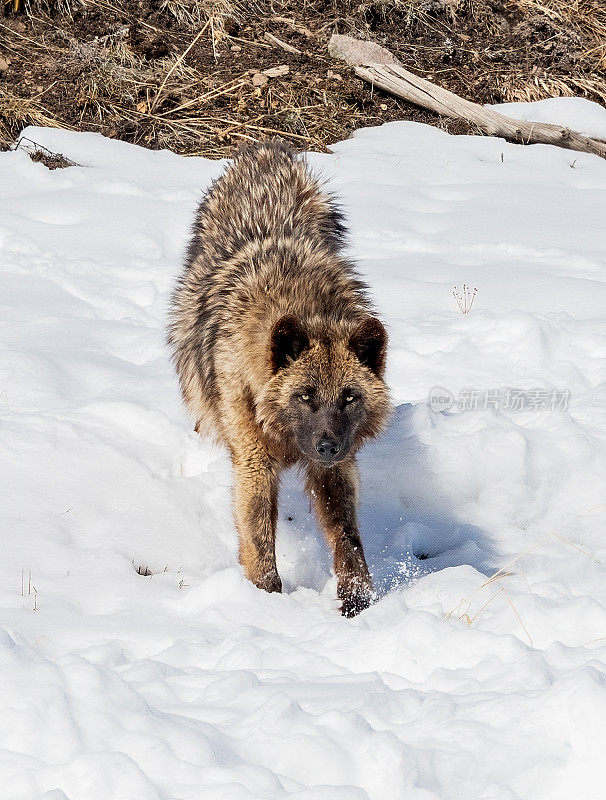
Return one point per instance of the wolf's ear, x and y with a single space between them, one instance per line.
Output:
369 343
288 340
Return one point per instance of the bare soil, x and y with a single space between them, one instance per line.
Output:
201 76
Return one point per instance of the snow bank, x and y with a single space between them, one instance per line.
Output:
191 683
576 113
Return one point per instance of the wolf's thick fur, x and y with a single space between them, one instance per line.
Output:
279 356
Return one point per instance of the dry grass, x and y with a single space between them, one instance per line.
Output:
172 101
180 76
177 102
586 21
586 17
16 113
32 7
583 22
194 13
519 89
43 155
465 610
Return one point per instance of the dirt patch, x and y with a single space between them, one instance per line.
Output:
201 76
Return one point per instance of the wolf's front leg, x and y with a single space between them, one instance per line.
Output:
334 492
255 497
255 514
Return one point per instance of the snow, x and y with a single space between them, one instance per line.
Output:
576 113
193 684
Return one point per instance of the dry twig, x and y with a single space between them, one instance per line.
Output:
279 43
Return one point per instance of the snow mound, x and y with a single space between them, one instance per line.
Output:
138 664
576 113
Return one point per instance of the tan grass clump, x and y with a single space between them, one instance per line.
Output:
585 17
195 13
16 113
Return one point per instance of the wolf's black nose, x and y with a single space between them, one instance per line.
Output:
328 449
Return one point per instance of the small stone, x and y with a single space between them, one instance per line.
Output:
355 51
258 79
235 48
4 65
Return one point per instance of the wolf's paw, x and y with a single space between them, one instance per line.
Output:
355 603
270 582
355 596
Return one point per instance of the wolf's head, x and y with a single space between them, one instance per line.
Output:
327 393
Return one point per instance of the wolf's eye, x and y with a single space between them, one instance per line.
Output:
304 398
349 398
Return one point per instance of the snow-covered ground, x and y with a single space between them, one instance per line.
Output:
193 685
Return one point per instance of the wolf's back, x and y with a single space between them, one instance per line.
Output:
266 193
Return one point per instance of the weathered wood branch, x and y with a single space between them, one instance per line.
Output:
379 67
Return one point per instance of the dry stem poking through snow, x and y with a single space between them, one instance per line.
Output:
465 299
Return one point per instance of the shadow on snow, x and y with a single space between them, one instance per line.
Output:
406 527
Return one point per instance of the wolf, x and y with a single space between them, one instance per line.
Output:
280 355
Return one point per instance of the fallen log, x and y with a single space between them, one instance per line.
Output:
379 67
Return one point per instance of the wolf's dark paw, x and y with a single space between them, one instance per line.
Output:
355 596
355 603
270 582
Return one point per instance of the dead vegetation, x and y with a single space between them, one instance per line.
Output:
39 153
379 68
201 76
